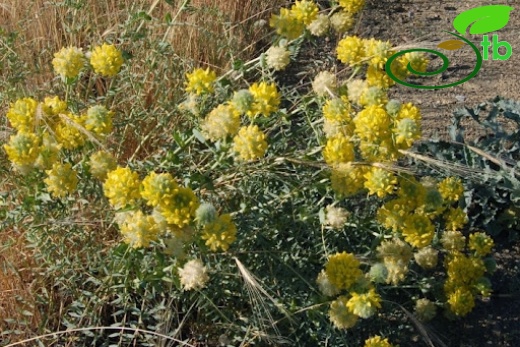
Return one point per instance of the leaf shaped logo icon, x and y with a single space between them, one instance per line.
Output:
483 19
451 45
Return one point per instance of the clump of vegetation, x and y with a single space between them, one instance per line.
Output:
263 213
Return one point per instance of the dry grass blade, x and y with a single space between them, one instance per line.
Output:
259 297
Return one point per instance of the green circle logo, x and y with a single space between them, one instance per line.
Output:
445 64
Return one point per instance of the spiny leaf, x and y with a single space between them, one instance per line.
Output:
483 19
451 45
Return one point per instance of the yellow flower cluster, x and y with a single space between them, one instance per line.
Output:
200 81
250 143
305 11
396 255
221 122
266 99
176 204
343 270
364 305
68 62
352 6
22 114
23 149
138 229
451 189
286 24
61 180
106 60
351 50
69 131
380 182
220 233
339 149
465 279
347 179
99 120
377 341
101 163
121 187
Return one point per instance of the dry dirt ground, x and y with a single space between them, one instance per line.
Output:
496 322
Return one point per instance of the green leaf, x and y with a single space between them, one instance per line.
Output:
483 19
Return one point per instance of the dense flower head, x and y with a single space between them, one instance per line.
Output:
68 62
378 273
277 57
157 187
406 131
193 275
432 204
451 189
372 124
220 233
351 50
106 60
461 301
396 255
393 106
139 229
325 83
339 149
101 163
200 81
456 218
412 191
364 305
48 152
409 111
68 132
99 120
453 240
355 88
319 26
22 114
179 207
347 180
341 21
61 180
242 101
378 52
336 217
380 181
206 213
373 96
343 270
23 148
340 315
377 341
54 106
337 109
382 150
250 143
376 77
286 24
427 257
121 187
425 310
352 6
393 213
325 286
480 243
462 270
266 99
221 122
418 230
333 128
305 11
